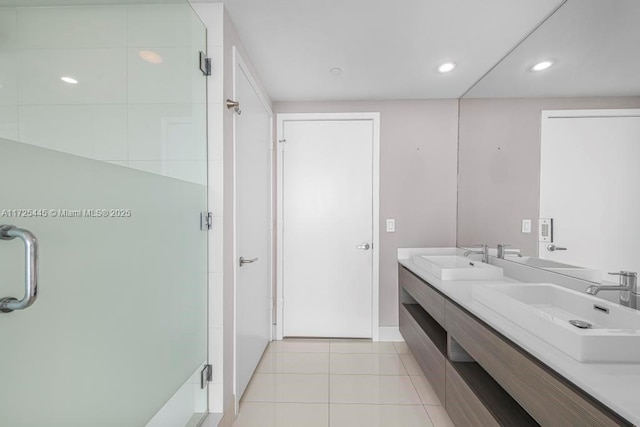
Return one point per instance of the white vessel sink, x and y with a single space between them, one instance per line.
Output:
545 310
455 267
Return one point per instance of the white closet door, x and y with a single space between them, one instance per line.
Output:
253 231
328 228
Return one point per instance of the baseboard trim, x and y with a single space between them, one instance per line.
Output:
229 415
213 420
389 333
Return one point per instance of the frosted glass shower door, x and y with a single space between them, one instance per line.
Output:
109 174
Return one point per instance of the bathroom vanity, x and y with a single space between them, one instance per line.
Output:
487 370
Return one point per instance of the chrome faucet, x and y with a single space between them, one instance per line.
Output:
484 251
628 287
502 251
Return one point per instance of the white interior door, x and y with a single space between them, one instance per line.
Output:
327 233
588 185
253 231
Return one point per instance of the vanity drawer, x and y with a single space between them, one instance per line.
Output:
429 357
425 295
543 394
462 405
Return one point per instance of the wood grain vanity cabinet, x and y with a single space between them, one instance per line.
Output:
505 386
429 350
463 406
430 299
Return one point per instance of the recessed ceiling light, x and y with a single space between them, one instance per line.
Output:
336 71
69 80
150 57
446 67
542 66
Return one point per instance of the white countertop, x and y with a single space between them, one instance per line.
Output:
615 385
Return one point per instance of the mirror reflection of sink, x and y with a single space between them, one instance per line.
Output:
542 263
455 267
558 267
586 328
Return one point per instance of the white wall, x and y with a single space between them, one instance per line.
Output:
418 178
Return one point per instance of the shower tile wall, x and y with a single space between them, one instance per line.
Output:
124 110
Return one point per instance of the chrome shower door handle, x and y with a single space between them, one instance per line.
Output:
247 261
9 304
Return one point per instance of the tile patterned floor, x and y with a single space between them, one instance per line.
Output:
340 383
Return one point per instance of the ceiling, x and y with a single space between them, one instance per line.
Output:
594 46
50 3
386 50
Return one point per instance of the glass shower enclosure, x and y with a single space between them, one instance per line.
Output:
103 173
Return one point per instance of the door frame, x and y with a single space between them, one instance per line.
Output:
375 281
238 62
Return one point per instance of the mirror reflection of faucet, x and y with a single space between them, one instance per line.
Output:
503 251
628 287
484 251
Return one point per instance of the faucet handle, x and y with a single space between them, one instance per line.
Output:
625 274
501 249
482 246
628 279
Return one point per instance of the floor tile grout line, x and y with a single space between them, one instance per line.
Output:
413 384
337 375
372 375
329 403
339 403
375 404
335 352
406 372
375 374
429 415
416 389
329 392
405 367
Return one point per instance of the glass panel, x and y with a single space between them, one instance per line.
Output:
110 174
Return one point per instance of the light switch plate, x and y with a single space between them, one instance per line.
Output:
391 225
526 226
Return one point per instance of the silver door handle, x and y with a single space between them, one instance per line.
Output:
553 248
247 261
364 246
9 304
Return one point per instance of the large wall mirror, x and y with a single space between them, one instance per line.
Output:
553 132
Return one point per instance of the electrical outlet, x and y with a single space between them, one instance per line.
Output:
526 226
391 226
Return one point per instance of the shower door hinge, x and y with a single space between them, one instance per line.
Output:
205 64
206 221
206 376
